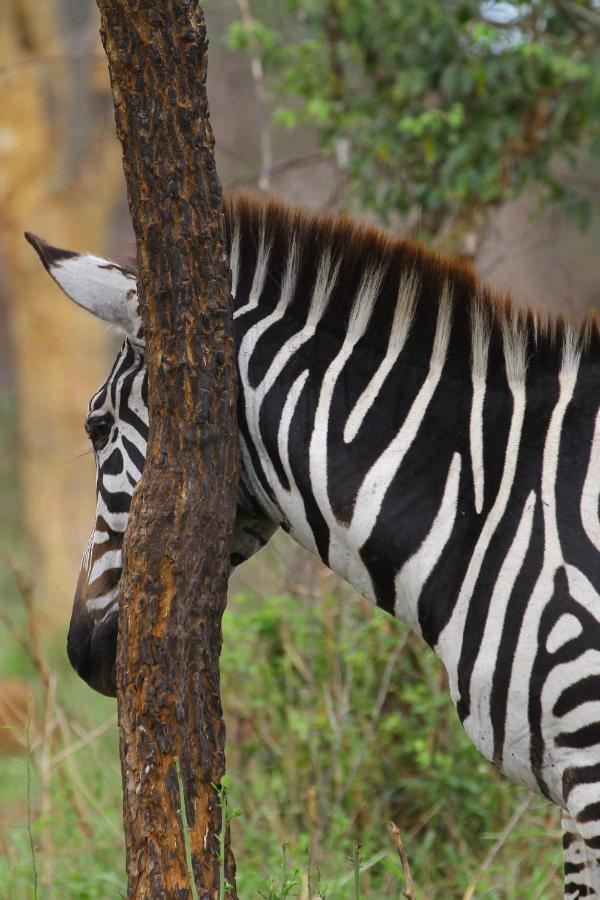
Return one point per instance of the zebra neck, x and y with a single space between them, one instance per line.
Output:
397 424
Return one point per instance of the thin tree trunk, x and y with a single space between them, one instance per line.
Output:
176 553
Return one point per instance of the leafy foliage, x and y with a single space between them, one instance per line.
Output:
339 721
444 106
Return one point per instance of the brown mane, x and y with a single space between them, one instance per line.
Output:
361 248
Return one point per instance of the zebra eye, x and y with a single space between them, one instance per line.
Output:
98 431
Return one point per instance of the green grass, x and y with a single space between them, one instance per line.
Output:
338 722
326 757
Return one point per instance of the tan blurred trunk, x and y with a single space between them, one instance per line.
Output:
61 353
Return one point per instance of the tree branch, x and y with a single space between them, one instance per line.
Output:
262 100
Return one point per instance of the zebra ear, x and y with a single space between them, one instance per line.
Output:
105 289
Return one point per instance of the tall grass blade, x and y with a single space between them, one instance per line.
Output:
186 832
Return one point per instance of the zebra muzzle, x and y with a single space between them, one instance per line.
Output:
92 649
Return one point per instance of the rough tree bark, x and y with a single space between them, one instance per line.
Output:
177 547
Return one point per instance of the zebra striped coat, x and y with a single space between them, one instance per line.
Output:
432 443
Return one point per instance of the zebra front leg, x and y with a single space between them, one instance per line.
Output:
582 865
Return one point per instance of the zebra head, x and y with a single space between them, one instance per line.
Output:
117 426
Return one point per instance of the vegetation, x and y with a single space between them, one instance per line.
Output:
11 527
338 722
438 109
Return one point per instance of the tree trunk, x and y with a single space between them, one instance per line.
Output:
176 554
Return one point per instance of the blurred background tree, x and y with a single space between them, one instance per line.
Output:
61 177
439 111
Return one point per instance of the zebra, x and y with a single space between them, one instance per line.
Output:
429 440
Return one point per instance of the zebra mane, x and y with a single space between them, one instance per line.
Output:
401 281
